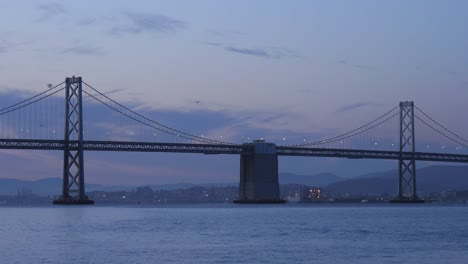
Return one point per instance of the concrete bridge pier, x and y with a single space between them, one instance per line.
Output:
259 174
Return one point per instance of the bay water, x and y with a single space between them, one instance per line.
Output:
228 233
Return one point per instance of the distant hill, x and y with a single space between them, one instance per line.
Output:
48 186
429 179
53 186
42 187
318 180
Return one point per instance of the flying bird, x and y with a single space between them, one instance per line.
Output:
198 101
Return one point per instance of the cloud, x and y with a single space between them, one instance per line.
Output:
4 45
148 22
84 50
354 106
250 52
354 65
86 21
7 45
264 52
11 40
226 33
114 91
216 44
50 10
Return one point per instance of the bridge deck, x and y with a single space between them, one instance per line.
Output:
368 154
224 149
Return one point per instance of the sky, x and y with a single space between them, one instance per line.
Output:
236 69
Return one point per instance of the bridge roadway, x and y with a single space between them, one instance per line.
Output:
224 149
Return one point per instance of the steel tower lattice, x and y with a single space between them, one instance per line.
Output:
407 165
73 189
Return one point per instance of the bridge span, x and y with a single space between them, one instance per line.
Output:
229 149
258 159
259 170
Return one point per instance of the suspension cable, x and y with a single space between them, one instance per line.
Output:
165 129
146 124
37 95
30 103
440 132
206 140
346 135
440 125
349 135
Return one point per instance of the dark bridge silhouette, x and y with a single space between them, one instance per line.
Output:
258 159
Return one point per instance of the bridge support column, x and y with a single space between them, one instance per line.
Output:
259 174
407 165
73 188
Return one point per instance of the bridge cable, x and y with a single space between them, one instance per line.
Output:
146 124
345 135
443 127
46 91
133 118
193 137
30 103
348 136
440 132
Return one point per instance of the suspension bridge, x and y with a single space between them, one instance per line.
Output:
75 117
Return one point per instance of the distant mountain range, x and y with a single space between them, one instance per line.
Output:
52 186
429 179
319 180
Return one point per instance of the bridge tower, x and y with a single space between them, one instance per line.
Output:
73 188
407 165
259 174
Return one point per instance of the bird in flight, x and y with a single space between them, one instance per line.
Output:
198 101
